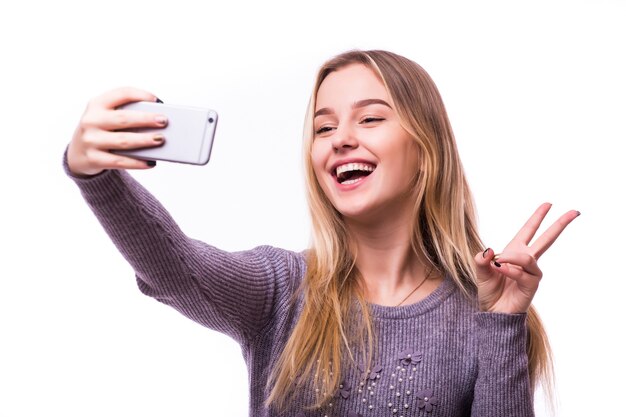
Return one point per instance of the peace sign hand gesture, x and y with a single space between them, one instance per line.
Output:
508 283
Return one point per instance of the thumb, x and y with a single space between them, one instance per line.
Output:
483 264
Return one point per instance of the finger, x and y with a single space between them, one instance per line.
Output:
483 267
548 237
122 95
106 160
104 140
123 119
529 229
523 261
527 283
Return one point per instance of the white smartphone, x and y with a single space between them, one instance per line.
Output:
188 135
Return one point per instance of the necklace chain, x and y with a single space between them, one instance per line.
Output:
416 288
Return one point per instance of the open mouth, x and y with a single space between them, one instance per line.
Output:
353 172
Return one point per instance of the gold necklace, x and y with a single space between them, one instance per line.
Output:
416 288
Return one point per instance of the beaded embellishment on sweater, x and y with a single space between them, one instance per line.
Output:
390 391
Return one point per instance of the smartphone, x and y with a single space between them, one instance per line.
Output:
188 135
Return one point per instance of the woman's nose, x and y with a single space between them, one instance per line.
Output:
344 139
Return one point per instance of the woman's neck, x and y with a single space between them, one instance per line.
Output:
389 266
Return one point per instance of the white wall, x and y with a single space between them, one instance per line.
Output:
536 95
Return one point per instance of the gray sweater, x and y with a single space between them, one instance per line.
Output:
437 357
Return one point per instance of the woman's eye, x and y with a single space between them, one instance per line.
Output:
323 130
372 119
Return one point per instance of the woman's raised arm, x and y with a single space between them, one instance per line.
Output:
236 293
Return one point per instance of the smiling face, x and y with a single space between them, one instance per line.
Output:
363 158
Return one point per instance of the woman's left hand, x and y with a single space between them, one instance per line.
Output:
509 283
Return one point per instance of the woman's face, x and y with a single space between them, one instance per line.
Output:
363 159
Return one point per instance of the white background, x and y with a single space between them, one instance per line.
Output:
536 93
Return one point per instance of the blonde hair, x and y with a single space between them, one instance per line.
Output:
444 233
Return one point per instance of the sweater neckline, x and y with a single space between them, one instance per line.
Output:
434 299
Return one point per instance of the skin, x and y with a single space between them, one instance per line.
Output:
101 129
510 287
377 212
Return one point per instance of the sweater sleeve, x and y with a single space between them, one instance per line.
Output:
502 387
235 293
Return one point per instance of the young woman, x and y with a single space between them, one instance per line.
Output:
396 309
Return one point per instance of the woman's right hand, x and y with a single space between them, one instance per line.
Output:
101 129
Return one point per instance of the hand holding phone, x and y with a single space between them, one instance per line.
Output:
108 128
188 134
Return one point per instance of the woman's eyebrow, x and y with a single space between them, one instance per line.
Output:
360 103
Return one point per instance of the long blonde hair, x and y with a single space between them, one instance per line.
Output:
444 233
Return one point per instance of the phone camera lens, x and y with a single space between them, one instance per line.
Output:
210 120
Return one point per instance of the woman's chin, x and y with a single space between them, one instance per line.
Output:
374 212
365 213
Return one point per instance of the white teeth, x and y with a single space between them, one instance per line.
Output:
352 166
352 181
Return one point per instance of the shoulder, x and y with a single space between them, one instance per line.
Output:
282 260
288 267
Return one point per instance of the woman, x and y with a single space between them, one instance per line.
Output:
396 310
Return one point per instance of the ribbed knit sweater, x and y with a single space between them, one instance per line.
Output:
437 357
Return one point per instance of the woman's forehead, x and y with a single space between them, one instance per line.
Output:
349 85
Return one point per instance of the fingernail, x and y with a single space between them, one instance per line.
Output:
151 163
485 252
158 100
497 264
162 120
578 213
158 138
